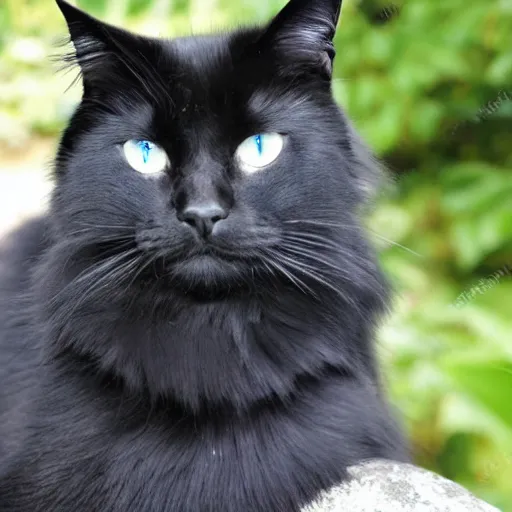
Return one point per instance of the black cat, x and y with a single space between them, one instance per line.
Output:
190 327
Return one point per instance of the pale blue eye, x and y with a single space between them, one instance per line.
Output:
145 156
259 151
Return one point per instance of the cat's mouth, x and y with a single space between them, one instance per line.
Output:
205 265
207 275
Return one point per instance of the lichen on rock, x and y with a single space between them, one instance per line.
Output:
385 486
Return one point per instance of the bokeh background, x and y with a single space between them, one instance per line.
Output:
429 85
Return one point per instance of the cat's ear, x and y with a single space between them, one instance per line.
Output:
304 30
100 49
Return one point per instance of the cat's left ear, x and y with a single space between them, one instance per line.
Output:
304 30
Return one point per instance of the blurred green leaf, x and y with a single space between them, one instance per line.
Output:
488 382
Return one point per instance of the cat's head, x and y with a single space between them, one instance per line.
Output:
209 163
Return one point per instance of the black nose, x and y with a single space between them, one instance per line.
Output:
202 217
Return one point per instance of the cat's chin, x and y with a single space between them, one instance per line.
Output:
209 275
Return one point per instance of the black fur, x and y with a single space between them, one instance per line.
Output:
144 369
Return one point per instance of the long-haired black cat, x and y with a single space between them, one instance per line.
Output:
190 327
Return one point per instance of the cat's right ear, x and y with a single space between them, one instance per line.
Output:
99 48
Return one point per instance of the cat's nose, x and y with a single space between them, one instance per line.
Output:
203 216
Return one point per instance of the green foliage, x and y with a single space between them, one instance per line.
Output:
429 84
431 90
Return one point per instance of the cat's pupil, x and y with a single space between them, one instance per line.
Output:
145 147
259 143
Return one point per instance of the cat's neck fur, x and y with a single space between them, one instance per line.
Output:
233 351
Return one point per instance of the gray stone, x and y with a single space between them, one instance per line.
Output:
384 486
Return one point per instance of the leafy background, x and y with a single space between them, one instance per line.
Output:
429 85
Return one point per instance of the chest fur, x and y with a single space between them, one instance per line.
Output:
101 457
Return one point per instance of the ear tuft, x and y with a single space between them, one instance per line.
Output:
104 52
305 30
89 37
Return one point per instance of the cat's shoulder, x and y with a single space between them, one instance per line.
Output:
19 252
21 247
19 353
